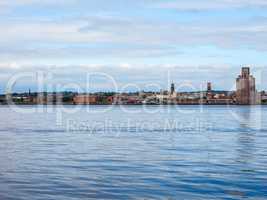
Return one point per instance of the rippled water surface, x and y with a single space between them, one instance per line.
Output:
186 152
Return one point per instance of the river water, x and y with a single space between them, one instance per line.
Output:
133 152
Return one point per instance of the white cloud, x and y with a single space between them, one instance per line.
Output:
196 5
34 2
8 6
124 37
137 32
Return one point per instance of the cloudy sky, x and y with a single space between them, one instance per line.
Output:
142 42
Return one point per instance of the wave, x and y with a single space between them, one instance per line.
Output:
136 130
25 130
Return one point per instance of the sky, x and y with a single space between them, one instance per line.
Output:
137 43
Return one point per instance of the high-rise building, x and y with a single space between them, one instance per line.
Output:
209 88
172 88
209 94
245 88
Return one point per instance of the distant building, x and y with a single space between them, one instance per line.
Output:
163 98
2 99
85 99
209 93
172 89
209 88
264 97
39 99
245 88
111 99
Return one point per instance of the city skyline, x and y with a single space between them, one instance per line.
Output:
133 41
245 93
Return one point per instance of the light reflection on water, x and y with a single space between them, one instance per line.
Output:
225 158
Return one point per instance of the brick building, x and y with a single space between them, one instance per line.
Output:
245 88
85 99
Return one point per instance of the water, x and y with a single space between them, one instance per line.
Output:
186 152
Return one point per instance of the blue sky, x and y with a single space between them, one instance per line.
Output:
136 41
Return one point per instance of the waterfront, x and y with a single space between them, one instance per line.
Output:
212 152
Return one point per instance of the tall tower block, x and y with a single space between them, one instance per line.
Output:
245 88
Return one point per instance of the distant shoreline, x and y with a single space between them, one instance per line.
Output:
69 104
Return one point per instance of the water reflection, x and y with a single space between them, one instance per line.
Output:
245 139
249 117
